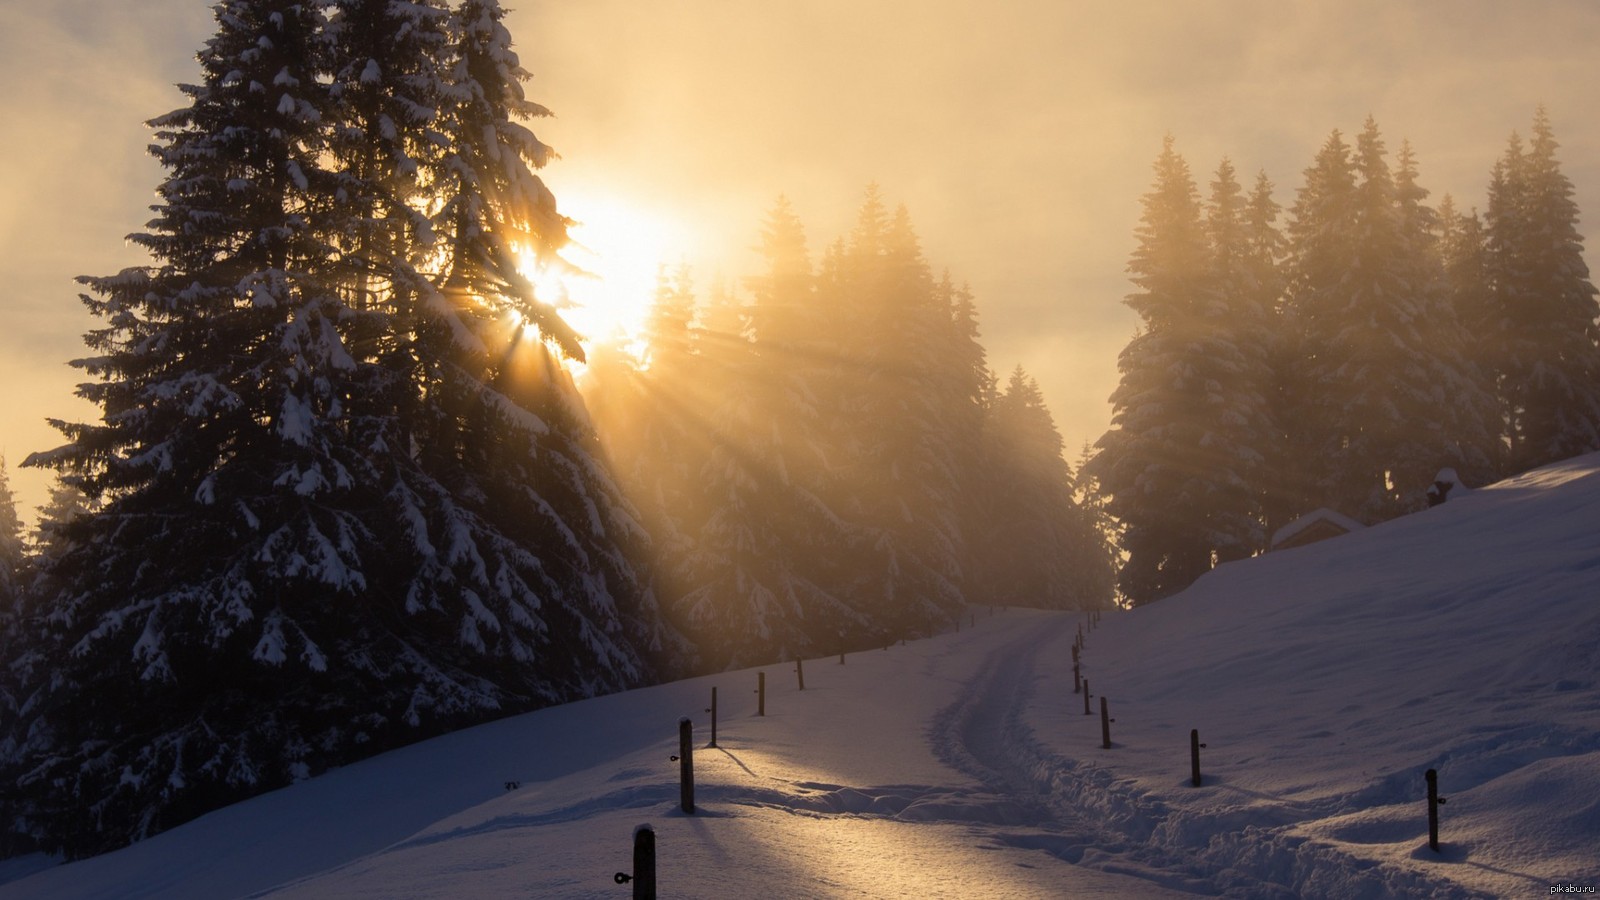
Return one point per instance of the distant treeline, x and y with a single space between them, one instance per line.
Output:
1343 360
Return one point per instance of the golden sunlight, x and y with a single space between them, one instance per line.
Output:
619 247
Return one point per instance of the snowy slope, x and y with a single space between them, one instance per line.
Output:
1323 679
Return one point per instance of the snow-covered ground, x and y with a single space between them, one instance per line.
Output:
1324 681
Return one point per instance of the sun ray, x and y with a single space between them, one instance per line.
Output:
617 248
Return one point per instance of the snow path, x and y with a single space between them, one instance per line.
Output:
893 776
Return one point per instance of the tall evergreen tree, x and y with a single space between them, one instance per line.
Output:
1468 289
1545 336
1042 547
1191 415
13 550
13 574
1387 392
336 515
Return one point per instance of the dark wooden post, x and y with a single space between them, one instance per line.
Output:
761 693
686 765
1105 725
713 711
644 864
1075 656
841 657
1086 697
1433 809
800 672
1194 756
1076 683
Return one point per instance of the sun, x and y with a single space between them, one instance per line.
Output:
619 246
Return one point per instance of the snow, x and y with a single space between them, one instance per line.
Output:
1322 514
1324 680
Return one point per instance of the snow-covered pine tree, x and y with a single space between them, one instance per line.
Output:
894 334
650 414
966 390
769 575
1238 328
1264 257
337 516
1457 425
1183 458
1041 547
1383 379
229 485
1468 288
13 575
13 550
1544 339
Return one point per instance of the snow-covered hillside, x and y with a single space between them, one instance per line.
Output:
1324 681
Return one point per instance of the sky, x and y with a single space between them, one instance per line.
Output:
1019 135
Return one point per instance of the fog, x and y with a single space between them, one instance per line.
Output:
1019 135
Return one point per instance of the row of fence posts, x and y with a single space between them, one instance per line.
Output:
643 877
1079 682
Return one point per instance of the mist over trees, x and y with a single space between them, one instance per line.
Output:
343 493
828 463
1342 360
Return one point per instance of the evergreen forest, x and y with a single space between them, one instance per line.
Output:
344 492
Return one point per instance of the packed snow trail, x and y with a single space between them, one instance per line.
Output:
838 791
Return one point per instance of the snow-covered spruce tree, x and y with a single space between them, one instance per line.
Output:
893 331
1240 325
652 414
1040 546
509 454
13 550
769 572
1458 426
966 391
1384 391
1469 289
13 574
296 564
1190 419
1543 339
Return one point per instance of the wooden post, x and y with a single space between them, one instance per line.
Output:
1194 756
1075 654
1433 809
1076 683
800 672
686 765
841 657
761 693
1105 725
1086 697
713 711
644 864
